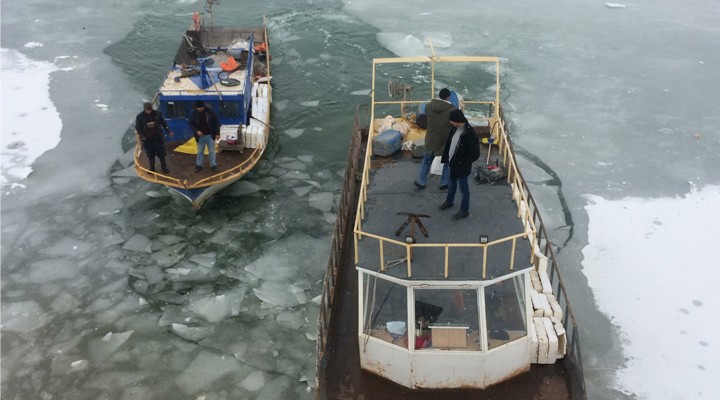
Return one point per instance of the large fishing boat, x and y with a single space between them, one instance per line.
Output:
418 305
227 68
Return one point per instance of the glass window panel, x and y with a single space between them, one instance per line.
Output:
176 109
505 311
447 319
385 315
229 109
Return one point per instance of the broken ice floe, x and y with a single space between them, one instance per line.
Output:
312 103
192 333
139 243
615 5
206 368
280 294
294 133
102 349
364 92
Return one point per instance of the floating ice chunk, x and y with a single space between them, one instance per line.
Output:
153 193
104 206
290 319
174 314
138 392
128 172
275 389
205 369
280 294
102 349
192 333
296 175
206 259
274 266
79 365
266 183
53 269
400 43
101 106
306 158
32 45
139 243
280 105
216 308
364 92
295 133
253 382
170 239
169 255
115 379
322 201
312 103
440 40
128 158
243 188
295 166
22 317
153 274
615 5
68 246
302 191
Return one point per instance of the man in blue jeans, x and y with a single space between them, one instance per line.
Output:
437 112
462 148
206 128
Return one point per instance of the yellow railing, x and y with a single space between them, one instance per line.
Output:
445 246
520 195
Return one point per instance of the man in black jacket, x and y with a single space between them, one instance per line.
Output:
462 148
206 128
147 125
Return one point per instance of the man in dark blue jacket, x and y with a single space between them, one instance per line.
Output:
206 128
147 125
462 148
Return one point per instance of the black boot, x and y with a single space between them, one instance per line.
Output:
163 165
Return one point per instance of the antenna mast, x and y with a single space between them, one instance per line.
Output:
208 7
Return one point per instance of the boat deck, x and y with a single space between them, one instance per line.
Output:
182 165
492 213
342 378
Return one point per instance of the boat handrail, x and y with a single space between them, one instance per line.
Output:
446 246
342 230
513 177
241 168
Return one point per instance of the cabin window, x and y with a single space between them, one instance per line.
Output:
229 109
176 109
385 311
447 319
505 311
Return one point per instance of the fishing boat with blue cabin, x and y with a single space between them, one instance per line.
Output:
227 68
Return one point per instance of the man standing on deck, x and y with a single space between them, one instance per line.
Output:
206 127
147 125
437 112
462 148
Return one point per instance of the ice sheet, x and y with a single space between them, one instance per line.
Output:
646 263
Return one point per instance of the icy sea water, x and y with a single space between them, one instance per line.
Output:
113 288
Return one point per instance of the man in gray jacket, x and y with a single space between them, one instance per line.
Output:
438 128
